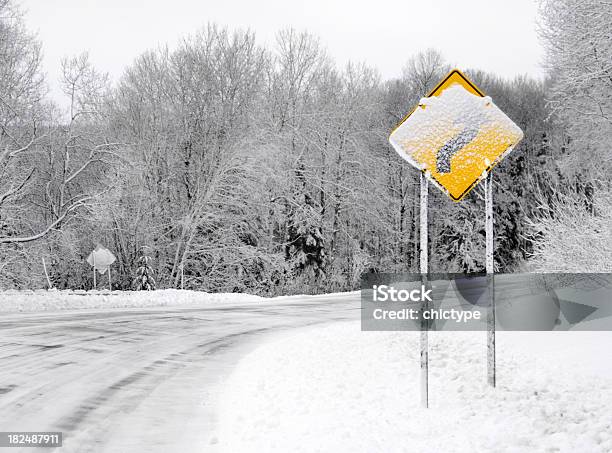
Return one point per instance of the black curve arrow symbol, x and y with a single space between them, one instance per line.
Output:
452 147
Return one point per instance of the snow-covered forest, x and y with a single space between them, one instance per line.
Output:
267 170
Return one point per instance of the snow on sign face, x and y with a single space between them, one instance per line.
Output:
456 135
101 258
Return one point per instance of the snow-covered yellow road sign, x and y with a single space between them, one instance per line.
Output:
456 135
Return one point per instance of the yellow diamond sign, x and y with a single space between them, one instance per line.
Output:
456 135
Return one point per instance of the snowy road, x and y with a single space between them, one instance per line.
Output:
135 380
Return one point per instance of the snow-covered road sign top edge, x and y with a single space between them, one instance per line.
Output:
452 78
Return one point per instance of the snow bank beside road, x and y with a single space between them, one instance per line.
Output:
19 301
337 389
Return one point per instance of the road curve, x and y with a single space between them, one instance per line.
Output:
137 380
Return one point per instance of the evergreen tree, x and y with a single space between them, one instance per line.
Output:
144 280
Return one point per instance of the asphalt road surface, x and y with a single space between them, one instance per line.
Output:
137 380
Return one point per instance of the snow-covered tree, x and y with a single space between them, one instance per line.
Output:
571 226
144 280
578 44
268 170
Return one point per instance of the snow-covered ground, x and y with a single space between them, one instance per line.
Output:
42 300
218 372
338 389
33 301
135 380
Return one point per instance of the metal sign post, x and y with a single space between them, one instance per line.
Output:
110 282
424 265
488 188
94 270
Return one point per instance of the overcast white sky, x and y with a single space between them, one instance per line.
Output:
493 35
